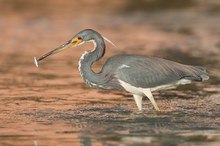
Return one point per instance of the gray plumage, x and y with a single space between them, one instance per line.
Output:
148 72
133 73
142 71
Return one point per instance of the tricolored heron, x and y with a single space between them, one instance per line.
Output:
139 75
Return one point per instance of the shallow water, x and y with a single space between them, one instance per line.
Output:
51 105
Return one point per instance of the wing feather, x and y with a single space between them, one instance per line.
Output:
148 72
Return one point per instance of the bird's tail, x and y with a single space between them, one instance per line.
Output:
199 73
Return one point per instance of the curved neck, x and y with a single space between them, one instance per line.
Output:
87 59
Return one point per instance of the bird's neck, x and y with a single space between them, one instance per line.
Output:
85 64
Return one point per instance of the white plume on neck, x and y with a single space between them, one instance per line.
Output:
110 42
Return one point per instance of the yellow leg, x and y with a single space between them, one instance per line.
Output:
138 101
149 95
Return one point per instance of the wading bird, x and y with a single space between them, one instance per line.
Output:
139 75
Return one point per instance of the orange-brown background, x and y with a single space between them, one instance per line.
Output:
51 105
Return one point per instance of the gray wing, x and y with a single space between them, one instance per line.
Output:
147 72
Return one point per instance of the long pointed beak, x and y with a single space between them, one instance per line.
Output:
72 42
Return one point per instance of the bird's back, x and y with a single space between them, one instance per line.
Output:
150 72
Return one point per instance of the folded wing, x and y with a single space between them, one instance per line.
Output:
148 72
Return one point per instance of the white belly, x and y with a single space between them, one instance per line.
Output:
132 89
140 91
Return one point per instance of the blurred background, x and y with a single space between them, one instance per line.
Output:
51 105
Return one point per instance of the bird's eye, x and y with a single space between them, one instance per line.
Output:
79 38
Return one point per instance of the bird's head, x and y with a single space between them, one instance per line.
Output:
79 39
85 36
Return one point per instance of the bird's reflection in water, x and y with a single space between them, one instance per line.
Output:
111 128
